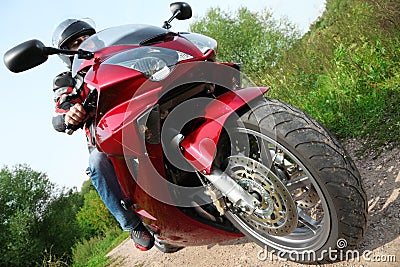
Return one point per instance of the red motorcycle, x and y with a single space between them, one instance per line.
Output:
202 154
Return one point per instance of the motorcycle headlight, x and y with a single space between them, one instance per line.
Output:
154 63
154 68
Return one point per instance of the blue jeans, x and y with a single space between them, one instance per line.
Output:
106 183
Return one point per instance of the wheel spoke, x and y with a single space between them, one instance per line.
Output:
309 222
298 182
265 153
284 177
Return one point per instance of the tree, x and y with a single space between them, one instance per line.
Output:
24 196
87 186
345 71
36 218
254 39
94 218
59 229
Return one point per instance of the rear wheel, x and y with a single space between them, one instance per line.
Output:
309 189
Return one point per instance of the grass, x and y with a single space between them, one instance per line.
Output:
92 253
355 95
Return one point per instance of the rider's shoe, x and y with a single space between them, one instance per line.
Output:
142 238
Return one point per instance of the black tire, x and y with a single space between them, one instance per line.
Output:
322 159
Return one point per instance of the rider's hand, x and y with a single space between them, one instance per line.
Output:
75 115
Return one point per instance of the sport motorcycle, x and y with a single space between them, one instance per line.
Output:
201 153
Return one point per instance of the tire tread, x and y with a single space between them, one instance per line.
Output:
326 157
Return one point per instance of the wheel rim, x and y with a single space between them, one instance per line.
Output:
313 226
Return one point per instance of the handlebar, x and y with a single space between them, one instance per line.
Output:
82 54
89 107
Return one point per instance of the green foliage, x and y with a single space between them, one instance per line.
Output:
38 222
35 218
59 228
254 39
50 260
24 196
94 217
86 187
93 252
344 71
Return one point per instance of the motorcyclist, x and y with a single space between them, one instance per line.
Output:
69 95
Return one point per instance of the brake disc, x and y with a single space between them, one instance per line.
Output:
277 212
307 198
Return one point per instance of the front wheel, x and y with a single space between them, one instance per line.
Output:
309 190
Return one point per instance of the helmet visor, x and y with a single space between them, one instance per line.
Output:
71 28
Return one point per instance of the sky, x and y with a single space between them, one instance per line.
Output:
26 99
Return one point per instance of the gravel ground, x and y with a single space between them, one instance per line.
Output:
380 245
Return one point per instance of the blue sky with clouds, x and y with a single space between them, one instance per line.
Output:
26 99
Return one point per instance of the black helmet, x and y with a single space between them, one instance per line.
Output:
69 30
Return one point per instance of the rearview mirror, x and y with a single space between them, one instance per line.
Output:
25 56
185 11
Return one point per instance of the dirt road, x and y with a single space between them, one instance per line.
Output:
380 246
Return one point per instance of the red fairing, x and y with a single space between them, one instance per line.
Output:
124 95
200 146
117 112
102 55
183 45
171 223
